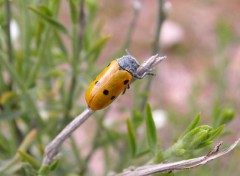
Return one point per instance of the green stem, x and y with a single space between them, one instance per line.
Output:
41 50
36 67
77 37
8 33
25 32
20 84
12 131
76 151
3 86
23 147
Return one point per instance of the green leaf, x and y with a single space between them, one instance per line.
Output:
199 138
227 116
7 96
45 9
216 114
214 133
25 156
28 170
137 119
204 144
97 48
60 44
50 20
224 116
151 130
10 115
44 171
132 137
189 136
194 123
39 33
54 165
142 153
4 145
159 157
92 8
73 10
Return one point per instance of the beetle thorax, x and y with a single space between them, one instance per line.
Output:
129 64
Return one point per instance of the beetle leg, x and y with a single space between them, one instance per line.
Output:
124 91
144 74
128 87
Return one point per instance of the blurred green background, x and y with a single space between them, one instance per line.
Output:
50 51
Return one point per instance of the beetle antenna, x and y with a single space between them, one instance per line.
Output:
126 50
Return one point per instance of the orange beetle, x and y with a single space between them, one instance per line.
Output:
113 80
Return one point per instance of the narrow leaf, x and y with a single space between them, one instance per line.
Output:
194 123
44 171
54 165
142 153
60 44
9 115
26 157
97 48
132 137
216 114
151 130
137 119
216 132
45 9
204 144
48 19
73 10
4 145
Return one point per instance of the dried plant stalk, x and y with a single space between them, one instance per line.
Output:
180 165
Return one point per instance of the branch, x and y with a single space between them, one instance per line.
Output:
52 148
180 165
149 64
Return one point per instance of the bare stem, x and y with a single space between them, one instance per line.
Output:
52 149
180 165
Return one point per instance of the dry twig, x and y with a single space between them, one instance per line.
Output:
180 165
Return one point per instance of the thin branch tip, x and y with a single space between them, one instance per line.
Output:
160 59
163 58
180 165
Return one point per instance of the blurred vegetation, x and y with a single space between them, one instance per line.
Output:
41 81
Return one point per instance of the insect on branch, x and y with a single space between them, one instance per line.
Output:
51 150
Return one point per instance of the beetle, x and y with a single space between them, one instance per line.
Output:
113 80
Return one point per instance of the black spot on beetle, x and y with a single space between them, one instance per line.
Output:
125 82
97 83
113 97
105 92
